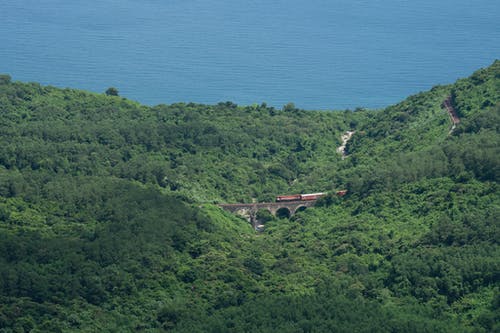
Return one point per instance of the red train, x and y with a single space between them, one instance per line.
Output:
293 197
306 197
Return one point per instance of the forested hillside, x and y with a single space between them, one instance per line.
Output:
108 219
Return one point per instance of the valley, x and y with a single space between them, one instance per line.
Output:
110 216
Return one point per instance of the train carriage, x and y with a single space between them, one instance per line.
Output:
311 196
292 197
306 197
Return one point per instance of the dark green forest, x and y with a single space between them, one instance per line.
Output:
109 219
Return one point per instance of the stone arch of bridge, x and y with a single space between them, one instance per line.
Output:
283 212
278 209
299 209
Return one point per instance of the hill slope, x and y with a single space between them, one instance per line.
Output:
107 223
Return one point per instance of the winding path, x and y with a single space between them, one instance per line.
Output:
451 112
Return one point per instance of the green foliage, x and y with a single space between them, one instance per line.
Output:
107 220
5 79
263 216
209 153
479 92
112 91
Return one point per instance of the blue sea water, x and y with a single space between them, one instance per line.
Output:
319 54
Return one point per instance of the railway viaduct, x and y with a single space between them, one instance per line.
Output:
249 211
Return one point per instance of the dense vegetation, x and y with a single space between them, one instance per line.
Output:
108 222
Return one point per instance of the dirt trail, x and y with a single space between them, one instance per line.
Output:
451 112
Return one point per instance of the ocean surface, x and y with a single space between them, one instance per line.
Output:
318 54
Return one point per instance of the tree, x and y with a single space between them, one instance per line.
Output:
112 91
4 78
289 107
